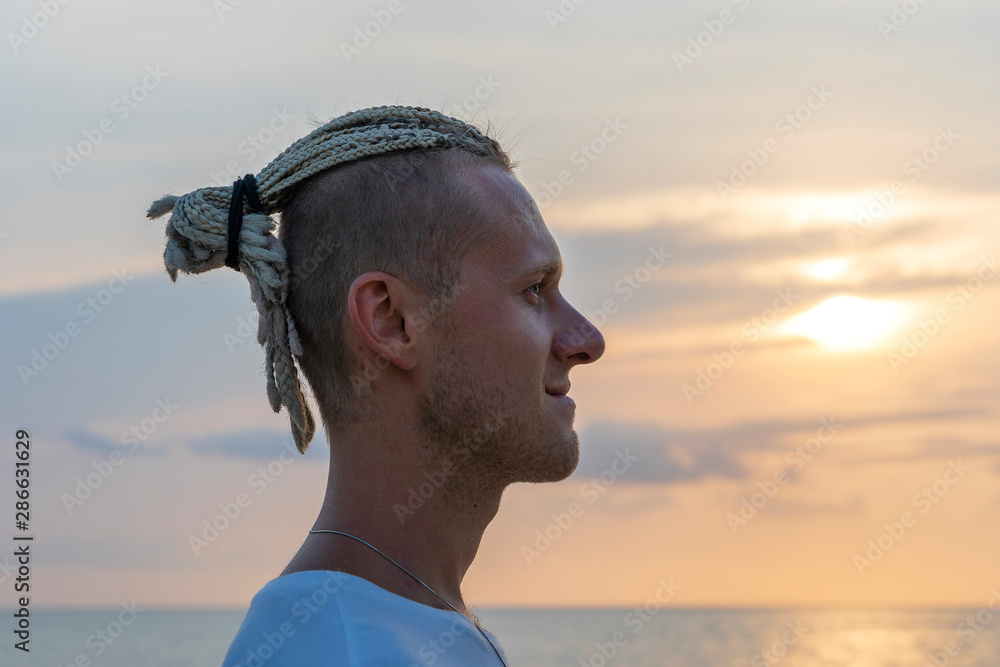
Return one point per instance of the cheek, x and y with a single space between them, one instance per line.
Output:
522 350
507 340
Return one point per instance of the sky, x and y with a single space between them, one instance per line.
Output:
781 214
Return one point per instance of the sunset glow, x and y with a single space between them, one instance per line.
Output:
828 269
761 260
848 323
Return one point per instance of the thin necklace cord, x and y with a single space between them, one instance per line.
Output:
419 581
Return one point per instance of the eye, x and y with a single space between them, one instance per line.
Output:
536 288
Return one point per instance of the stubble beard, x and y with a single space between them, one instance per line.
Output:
488 437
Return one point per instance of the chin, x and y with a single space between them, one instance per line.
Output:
572 459
561 458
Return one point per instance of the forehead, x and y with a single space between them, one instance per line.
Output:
520 240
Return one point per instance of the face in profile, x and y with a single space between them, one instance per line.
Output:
504 350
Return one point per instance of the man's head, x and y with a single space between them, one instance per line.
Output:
425 288
398 286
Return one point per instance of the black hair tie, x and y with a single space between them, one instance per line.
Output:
242 186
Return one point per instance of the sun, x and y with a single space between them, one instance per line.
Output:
828 269
849 323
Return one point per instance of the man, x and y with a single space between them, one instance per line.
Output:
423 296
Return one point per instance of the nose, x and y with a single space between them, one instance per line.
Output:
579 342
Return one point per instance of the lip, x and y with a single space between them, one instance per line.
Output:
559 393
564 399
560 390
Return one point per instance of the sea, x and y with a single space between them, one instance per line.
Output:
562 637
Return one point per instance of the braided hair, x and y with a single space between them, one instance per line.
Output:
198 229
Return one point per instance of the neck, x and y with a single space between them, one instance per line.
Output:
426 514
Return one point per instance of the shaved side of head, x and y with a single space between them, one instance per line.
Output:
408 213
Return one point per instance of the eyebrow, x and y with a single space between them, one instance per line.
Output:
549 269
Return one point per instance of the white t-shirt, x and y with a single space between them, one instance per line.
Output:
321 617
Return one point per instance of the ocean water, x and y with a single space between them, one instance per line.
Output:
565 638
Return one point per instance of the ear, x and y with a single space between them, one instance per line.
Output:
380 306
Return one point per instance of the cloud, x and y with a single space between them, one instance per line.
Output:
153 340
937 449
714 279
258 444
663 455
88 442
855 505
671 456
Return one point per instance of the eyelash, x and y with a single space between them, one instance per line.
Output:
539 285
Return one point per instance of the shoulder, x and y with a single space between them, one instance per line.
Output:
293 619
327 617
